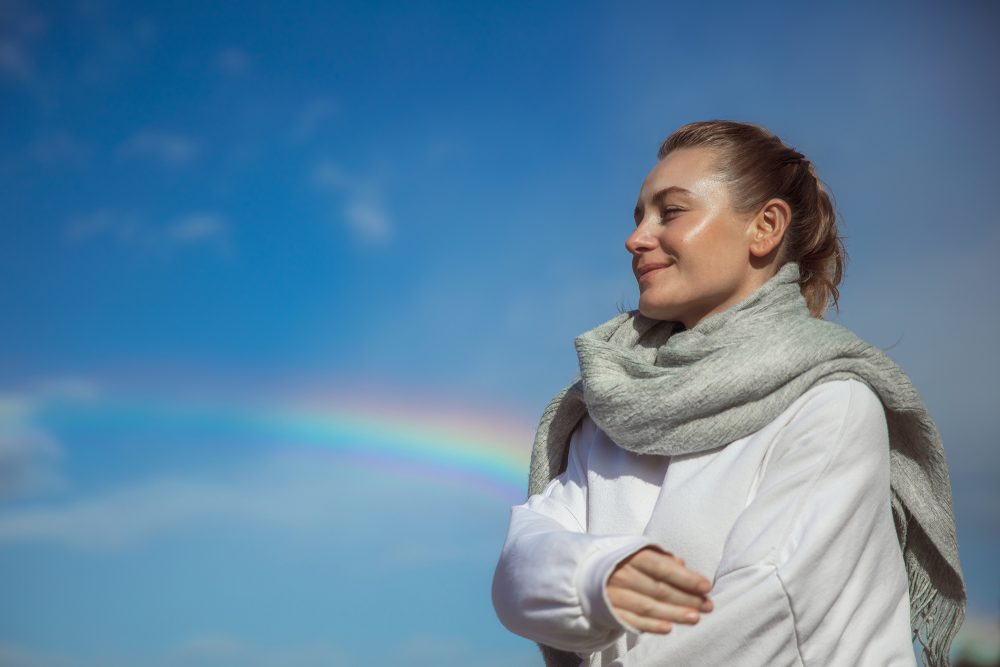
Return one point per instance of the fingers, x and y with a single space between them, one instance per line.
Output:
635 579
662 567
644 624
650 614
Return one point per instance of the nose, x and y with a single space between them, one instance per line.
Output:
640 240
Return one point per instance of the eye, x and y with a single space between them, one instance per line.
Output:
668 212
664 214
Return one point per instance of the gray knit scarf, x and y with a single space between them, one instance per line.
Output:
655 387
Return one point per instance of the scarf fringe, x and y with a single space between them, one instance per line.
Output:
935 619
936 612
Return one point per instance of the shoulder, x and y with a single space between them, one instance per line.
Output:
845 401
845 412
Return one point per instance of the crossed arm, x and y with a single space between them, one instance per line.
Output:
811 572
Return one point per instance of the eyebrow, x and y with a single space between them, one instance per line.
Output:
659 196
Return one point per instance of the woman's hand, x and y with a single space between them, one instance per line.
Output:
650 588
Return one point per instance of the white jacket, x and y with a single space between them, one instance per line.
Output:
792 524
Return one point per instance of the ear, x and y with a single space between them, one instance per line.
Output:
768 227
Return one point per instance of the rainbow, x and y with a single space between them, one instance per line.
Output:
487 451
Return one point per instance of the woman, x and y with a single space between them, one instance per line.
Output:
731 479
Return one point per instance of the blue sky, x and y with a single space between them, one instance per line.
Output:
410 203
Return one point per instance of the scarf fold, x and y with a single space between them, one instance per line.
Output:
655 387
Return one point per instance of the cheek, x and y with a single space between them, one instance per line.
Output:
718 246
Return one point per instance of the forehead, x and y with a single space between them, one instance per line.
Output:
691 169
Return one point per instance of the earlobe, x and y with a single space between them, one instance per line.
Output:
761 246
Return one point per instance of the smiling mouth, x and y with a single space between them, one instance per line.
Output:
651 272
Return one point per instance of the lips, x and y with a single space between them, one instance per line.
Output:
650 267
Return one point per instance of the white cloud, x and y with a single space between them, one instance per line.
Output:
27 461
280 492
29 455
361 208
195 227
125 227
168 148
368 219
17 408
130 230
66 386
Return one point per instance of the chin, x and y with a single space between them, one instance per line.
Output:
658 311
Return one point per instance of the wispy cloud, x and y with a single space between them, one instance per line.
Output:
197 228
124 227
135 232
367 217
64 387
28 457
361 207
276 492
29 454
165 147
23 404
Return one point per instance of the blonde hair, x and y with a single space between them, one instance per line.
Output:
757 165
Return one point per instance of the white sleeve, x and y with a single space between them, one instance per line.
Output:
549 585
811 573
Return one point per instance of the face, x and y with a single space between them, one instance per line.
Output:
684 224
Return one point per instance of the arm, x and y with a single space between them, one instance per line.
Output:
549 585
811 573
